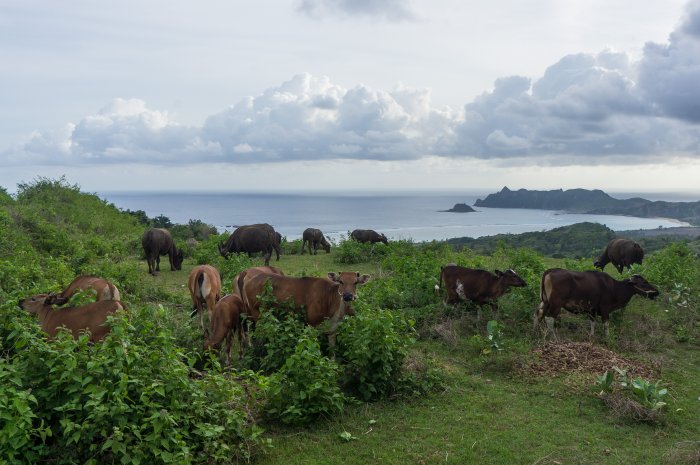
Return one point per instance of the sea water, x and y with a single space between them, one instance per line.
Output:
414 216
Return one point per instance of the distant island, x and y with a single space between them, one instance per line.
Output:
594 202
460 208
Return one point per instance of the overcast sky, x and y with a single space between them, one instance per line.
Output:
351 94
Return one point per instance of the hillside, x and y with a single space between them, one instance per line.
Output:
591 202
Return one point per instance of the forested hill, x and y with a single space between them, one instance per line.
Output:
592 202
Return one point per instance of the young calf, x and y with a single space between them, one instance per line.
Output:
104 289
90 317
204 284
225 323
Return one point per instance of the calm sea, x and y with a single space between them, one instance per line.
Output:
398 215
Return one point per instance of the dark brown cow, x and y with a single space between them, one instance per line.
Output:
250 239
157 242
225 323
239 280
104 289
91 317
622 253
204 284
479 286
368 235
591 292
321 299
315 237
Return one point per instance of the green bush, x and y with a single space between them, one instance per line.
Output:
349 252
372 347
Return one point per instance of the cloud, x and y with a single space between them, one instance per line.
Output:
390 10
599 108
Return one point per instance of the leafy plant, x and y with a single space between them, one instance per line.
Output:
494 331
648 394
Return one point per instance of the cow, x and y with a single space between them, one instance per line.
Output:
591 292
250 239
157 242
90 317
249 273
315 237
480 286
622 253
104 290
368 235
320 299
204 284
225 323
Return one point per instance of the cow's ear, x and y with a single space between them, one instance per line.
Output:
362 279
498 273
333 276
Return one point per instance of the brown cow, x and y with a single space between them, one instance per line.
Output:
479 286
249 273
91 317
322 299
157 242
250 239
204 284
368 235
225 323
315 237
591 292
622 253
104 289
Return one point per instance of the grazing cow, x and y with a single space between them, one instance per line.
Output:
225 323
321 299
204 284
104 289
91 317
590 292
622 253
239 280
157 242
479 286
368 235
313 236
250 239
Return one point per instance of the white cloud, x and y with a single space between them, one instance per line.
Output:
391 10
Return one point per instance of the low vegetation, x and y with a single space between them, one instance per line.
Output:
409 381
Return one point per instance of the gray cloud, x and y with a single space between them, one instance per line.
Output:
391 10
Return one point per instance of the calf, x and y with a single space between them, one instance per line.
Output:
157 242
204 284
320 299
315 237
479 286
225 323
104 289
591 292
91 317
368 235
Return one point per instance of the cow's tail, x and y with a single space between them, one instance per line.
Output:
241 278
544 303
198 283
439 285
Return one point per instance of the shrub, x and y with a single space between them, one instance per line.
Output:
350 252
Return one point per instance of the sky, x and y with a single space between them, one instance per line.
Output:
351 94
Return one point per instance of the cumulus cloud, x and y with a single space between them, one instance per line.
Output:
599 108
391 10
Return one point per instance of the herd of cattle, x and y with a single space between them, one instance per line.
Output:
327 301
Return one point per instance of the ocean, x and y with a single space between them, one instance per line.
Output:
399 215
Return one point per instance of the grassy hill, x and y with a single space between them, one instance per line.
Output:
411 382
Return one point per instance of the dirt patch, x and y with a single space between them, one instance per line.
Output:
556 358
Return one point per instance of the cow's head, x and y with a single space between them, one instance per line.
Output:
325 244
177 259
642 287
222 250
384 239
36 302
510 278
348 283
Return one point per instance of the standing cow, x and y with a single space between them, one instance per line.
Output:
591 292
250 239
314 237
622 253
368 235
204 284
319 299
157 242
479 286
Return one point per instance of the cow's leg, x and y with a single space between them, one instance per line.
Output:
592 333
550 327
303 244
606 324
494 310
268 256
158 262
227 347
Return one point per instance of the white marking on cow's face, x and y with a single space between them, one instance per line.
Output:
460 290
